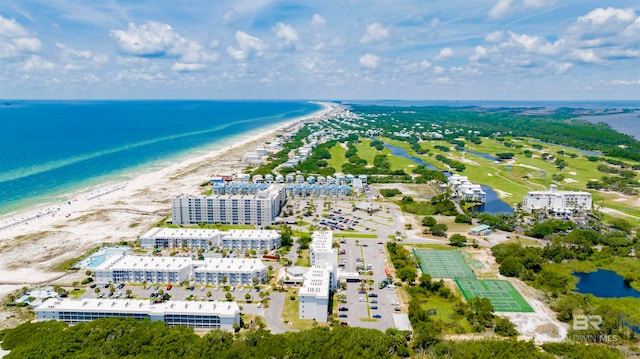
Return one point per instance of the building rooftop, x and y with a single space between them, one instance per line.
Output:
321 241
236 265
316 283
181 233
225 309
143 262
250 234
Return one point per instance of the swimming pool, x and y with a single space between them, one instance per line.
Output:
100 256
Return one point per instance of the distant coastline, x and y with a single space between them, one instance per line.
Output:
47 196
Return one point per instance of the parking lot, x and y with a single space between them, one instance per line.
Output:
370 307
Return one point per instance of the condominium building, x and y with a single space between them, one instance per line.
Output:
259 209
258 240
192 238
138 269
231 271
558 201
180 238
197 315
321 279
466 190
175 270
314 295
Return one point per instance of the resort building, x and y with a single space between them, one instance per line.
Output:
138 269
258 240
314 295
197 315
259 209
321 279
193 238
231 271
481 230
564 202
466 190
180 238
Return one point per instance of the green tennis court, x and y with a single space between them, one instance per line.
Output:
443 264
503 296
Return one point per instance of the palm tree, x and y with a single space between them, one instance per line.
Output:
128 293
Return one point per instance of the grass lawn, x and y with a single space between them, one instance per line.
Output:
303 259
77 292
452 323
354 235
337 157
367 153
291 310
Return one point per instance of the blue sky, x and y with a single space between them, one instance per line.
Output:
343 49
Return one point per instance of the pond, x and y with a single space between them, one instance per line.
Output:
483 155
493 203
604 284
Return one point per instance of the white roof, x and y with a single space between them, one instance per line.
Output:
322 241
223 309
250 234
181 233
143 262
316 283
235 265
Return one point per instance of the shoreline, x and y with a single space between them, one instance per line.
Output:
100 186
119 210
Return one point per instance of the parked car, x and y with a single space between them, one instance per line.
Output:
343 309
342 315
343 324
373 295
374 307
377 316
373 301
169 287
121 285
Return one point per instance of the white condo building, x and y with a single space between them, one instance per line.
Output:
138 269
321 279
466 190
259 209
236 271
205 238
558 201
314 295
176 270
197 315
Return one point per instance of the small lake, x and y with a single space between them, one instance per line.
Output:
604 284
493 204
483 155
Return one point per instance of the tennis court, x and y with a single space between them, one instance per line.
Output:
443 264
503 296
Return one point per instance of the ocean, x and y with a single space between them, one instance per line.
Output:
49 149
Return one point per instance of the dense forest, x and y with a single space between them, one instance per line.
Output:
128 338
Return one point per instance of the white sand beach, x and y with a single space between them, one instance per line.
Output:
46 237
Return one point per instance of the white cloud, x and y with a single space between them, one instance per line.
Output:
424 64
36 63
73 59
480 54
11 28
248 46
375 32
535 44
317 20
585 56
183 67
500 9
154 39
287 33
625 82
445 53
601 16
495 36
564 67
506 7
229 16
438 70
443 80
370 61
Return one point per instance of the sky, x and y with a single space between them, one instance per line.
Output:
313 49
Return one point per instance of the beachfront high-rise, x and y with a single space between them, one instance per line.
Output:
320 280
260 209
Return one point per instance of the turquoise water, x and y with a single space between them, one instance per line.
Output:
51 148
97 259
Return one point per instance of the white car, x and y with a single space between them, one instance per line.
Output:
241 289
259 305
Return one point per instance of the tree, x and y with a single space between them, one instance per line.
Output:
505 327
407 274
428 221
458 240
511 266
439 229
224 279
97 291
209 294
228 296
247 296
482 311
128 293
